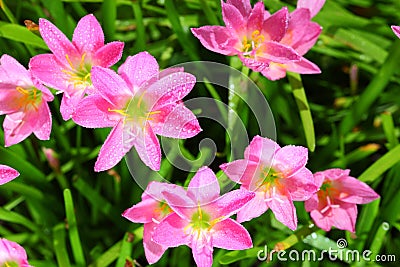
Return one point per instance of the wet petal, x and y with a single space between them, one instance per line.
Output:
253 209
284 210
109 54
313 5
11 71
16 128
261 150
170 232
217 39
244 7
396 30
290 159
147 147
143 212
230 203
7 174
353 190
204 186
152 250
88 35
229 234
278 53
276 25
69 104
233 19
43 121
301 185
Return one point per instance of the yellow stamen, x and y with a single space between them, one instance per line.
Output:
69 61
82 61
119 111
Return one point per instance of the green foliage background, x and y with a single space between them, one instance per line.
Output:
73 217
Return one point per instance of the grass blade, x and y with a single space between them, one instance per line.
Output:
59 246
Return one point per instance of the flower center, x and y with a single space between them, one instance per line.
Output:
249 47
162 210
327 193
79 74
29 97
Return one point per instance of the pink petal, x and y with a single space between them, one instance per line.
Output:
241 171
7 174
233 18
308 40
290 159
148 147
303 66
111 86
16 128
69 104
204 186
181 204
354 191
90 113
230 203
321 221
284 210
313 5
9 98
11 71
112 150
176 121
261 150
297 28
57 42
154 190
202 252
257 65
138 69
243 6
169 89
275 71
88 35
276 25
253 209
109 54
301 185
43 121
330 174
345 216
217 39
278 53
143 212
396 30
312 203
152 250
229 234
48 70
256 18
12 251
170 232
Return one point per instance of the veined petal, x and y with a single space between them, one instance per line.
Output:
313 5
230 203
88 35
284 210
243 6
298 26
69 103
57 42
217 39
49 70
183 205
276 25
233 19
91 113
155 189
170 232
303 66
353 190
143 212
111 86
256 18
109 54
176 121
112 150
308 40
43 121
396 30
261 150
147 147
9 99
253 209
278 53
202 251
241 171
152 250
7 174
229 234
257 65
138 69
16 127
321 221
344 217
11 71
290 159
301 185
204 186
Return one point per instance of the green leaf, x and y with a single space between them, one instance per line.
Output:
304 109
21 34
59 245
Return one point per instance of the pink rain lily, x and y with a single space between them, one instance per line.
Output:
277 175
251 33
12 254
68 69
201 219
138 103
301 35
7 174
151 211
24 100
335 204
396 30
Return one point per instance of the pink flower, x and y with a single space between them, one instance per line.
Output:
24 100
201 219
139 103
7 174
301 35
335 202
151 211
313 5
12 254
277 175
251 33
68 69
396 30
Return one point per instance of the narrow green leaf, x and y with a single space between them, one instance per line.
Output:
381 165
108 257
21 34
109 15
365 222
389 130
304 109
379 239
73 230
373 90
13 217
59 246
126 249
140 42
